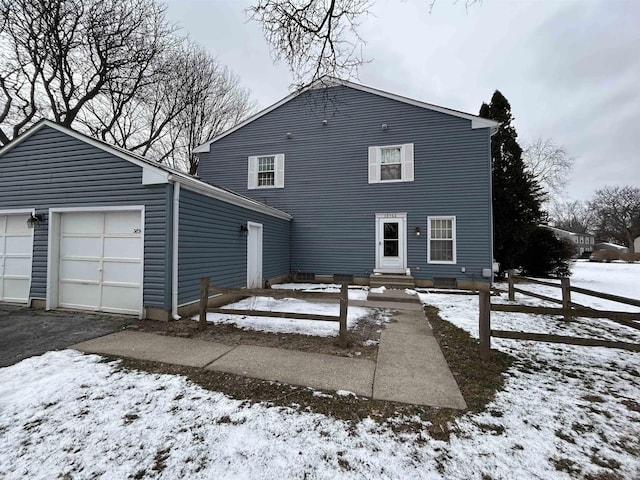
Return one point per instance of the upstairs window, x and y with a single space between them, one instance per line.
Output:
266 171
391 163
441 238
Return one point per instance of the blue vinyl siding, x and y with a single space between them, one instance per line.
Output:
326 187
210 243
53 169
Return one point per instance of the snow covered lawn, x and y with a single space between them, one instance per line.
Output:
616 278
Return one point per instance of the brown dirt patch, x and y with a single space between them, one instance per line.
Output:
367 329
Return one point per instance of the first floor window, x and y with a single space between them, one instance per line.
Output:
266 171
442 239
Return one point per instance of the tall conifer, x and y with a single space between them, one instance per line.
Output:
517 197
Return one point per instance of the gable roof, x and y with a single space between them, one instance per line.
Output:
566 232
153 172
476 121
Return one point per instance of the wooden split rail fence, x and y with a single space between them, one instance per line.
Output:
207 290
568 310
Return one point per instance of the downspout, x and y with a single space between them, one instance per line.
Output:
174 253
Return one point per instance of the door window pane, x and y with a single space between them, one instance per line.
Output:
390 240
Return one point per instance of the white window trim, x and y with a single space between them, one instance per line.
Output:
453 234
406 168
278 166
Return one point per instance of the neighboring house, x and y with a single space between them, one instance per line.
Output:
376 183
114 232
583 242
636 245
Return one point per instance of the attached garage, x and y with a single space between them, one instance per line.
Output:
115 232
97 259
16 247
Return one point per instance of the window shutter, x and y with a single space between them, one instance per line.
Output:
407 162
279 166
374 165
253 173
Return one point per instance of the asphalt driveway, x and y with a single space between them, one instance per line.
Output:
26 332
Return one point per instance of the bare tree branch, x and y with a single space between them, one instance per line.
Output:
549 163
618 214
314 37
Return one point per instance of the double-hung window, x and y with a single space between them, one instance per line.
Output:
266 171
441 238
391 163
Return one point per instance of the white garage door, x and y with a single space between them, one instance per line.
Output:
101 261
16 247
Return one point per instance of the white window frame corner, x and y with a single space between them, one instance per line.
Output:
454 234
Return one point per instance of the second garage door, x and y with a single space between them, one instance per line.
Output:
101 261
16 243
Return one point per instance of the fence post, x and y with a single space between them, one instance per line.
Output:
485 324
566 298
204 301
344 306
512 293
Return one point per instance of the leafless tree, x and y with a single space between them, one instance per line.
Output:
317 38
549 163
618 214
116 69
576 216
61 54
212 101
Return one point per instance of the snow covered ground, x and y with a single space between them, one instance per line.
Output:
285 325
617 278
565 412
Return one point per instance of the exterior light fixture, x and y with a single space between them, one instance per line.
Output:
34 220
243 229
325 123
385 127
418 232
289 135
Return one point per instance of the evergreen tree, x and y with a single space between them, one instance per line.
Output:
517 197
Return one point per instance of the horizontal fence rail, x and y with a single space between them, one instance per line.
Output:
342 297
568 310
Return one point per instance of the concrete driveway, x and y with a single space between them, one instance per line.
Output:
25 332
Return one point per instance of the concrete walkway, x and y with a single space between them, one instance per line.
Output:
410 367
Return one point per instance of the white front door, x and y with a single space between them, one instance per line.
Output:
254 255
16 248
391 243
100 261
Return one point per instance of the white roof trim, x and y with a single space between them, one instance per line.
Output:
476 121
153 173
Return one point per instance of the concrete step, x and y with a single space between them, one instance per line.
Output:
393 295
392 281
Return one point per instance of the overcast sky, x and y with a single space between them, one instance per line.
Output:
570 69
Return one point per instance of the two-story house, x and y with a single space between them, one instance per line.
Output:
376 184
582 241
341 182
